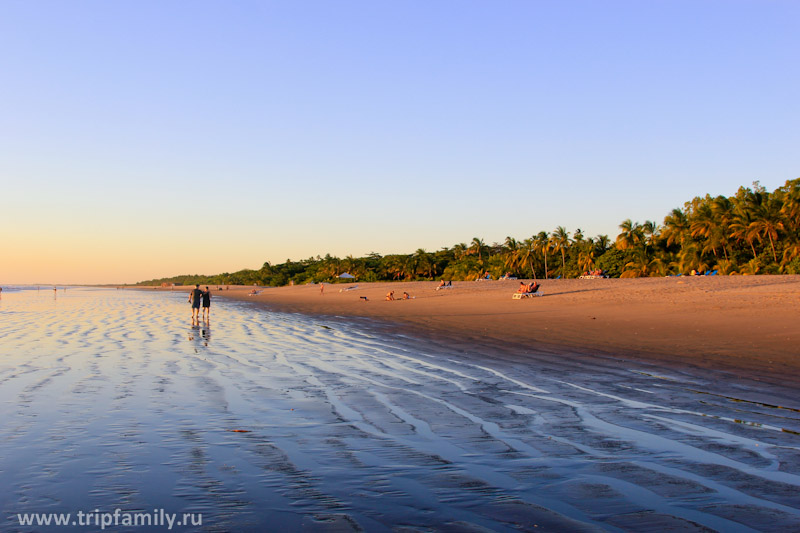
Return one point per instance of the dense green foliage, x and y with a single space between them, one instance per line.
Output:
753 232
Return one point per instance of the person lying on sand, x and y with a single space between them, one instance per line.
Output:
406 296
390 296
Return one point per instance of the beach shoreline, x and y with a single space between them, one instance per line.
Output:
289 421
744 326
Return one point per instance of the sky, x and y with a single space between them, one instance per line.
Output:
148 139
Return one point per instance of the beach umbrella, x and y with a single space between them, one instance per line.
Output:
347 276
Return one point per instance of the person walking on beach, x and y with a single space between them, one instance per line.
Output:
206 303
194 298
321 289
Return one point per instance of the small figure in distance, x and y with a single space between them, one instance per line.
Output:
390 296
194 298
321 289
444 285
206 303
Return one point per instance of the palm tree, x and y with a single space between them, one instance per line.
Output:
631 236
394 265
791 251
691 258
740 227
643 265
791 204
477 247
767 223
722 208
586 256
332 266
561 242
460 251
650 232
422 263
676 227
602 243
526 253
348 263
512 254
751 267
542 241
706 225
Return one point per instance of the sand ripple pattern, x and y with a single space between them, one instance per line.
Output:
273 422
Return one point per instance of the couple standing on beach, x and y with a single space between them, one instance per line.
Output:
196 297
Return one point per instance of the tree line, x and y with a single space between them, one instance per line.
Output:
753 232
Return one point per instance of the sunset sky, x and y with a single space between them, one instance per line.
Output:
147 139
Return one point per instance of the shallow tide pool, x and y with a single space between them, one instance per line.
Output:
260 421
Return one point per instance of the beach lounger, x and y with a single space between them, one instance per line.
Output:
521 295
354 287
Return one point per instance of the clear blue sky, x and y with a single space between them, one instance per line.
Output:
145 139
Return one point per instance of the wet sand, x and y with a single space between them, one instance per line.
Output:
745 325
274 421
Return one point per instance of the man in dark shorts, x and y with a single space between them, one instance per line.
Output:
194 298
206 303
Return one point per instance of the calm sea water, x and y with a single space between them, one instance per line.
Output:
275 422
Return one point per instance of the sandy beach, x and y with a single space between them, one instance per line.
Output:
746 325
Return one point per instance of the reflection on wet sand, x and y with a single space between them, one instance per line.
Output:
285 422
